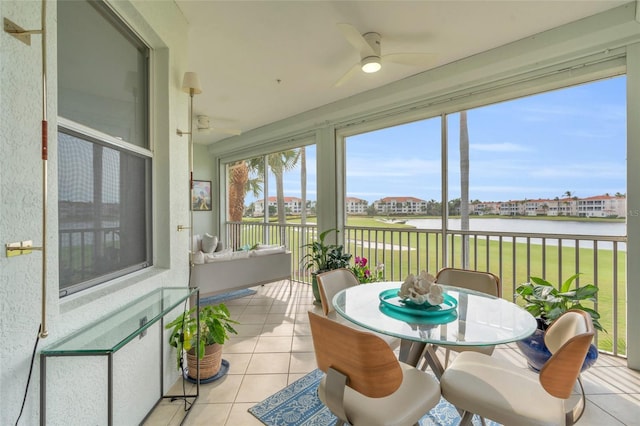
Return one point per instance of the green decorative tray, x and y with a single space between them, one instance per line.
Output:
390 299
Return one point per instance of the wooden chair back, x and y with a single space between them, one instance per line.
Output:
369 363
331 282
568 338
484 282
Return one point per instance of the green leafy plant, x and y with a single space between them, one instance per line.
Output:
546 302
325 257
215 326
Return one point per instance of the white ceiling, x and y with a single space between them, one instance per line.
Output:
263 61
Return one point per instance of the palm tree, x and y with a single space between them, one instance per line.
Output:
240 183
279 163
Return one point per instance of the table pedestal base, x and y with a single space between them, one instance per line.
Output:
411 353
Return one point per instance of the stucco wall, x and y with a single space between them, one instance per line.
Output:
77 386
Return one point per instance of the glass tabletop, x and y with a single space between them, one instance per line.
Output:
109 334
477 320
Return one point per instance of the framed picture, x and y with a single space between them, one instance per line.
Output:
201 195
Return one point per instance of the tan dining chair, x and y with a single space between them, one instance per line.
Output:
332 282
480 281
498 390
364 383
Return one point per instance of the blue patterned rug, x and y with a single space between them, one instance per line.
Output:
219 298
298 405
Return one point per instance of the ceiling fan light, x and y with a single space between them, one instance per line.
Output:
371 64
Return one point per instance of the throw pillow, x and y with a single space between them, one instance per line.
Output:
209 243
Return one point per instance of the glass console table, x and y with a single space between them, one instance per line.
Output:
111 333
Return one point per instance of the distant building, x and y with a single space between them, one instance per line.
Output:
292 205
355 205
602 206
484 207
596 206
400 205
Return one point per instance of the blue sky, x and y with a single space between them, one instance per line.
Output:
541 146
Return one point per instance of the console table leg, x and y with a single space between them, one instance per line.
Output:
43 390
110 389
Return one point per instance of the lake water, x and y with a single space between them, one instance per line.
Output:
534 226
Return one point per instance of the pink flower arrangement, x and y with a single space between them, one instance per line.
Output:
364 274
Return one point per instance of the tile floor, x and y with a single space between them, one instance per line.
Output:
273 348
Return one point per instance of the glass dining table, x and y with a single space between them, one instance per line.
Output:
465 318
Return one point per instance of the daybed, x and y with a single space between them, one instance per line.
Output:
217 270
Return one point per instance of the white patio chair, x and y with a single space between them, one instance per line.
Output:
498 390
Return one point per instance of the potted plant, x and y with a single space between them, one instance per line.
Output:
215 326
364 274
546 303
323 257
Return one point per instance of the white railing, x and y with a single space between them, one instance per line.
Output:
513 257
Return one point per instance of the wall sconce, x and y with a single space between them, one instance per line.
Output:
190 85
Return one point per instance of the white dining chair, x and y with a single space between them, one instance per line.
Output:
364 383
480 281
331 283
498 390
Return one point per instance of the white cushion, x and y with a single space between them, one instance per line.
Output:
209 243
498 390
198 258
418 393
240 254
196 243
268 251
217 256
266 246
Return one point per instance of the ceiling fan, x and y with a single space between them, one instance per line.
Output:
204 126
369 47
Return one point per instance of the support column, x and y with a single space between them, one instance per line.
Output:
633 205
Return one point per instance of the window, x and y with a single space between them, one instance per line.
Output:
104 161
270 201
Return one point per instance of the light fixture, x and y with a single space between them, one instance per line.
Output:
190 85
371 64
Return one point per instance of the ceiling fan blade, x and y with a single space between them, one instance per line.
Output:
410 58
235 132
204 126
348 75
356 39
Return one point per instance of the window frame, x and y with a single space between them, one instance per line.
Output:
94 136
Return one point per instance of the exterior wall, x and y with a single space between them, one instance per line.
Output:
77 386
292 205
400 205
354 205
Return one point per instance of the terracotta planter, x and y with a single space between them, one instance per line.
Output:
209 364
